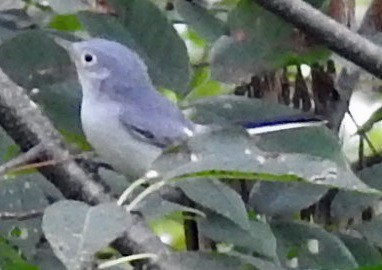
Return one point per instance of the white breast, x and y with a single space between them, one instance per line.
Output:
113 143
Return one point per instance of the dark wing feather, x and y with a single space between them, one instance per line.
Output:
151 118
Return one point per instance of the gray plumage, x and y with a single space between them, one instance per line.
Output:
124 118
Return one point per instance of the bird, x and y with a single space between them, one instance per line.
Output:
124 118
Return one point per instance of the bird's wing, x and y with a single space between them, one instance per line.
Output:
155 120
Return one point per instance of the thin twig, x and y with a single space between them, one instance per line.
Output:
22 159
130 189
364 136
144 194
42 164
126 259
21 215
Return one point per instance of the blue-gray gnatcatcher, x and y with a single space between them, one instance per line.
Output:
123 116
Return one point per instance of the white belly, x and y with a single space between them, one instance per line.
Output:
113 143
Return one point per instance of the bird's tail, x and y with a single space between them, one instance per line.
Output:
286 123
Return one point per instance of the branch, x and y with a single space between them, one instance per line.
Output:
21 215
24 122
335 36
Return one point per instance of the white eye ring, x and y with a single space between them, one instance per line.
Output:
88 59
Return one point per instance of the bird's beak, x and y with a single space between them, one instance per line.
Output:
67 45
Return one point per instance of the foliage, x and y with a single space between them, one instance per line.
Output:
284 172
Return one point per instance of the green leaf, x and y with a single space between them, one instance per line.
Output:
307 154
372 176
283 199
259 263
309 246
10 258
217 197
363 252
32 60
200 76
45 258
68 23
61 102
207 25
317 141
347 205
77 231
371 230
171 230
216 155
159 45
200 261
257 238
208 89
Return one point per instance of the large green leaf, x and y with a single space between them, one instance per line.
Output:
46 260
348 205
77 231
151 35
363 251
258 238
217 197
371 230
318 141
309 247
372 176
61 102
259 263
32 60
200 261
215 154
283 199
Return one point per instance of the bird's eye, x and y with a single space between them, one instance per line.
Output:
88 59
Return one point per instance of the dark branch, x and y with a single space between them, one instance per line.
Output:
335 36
